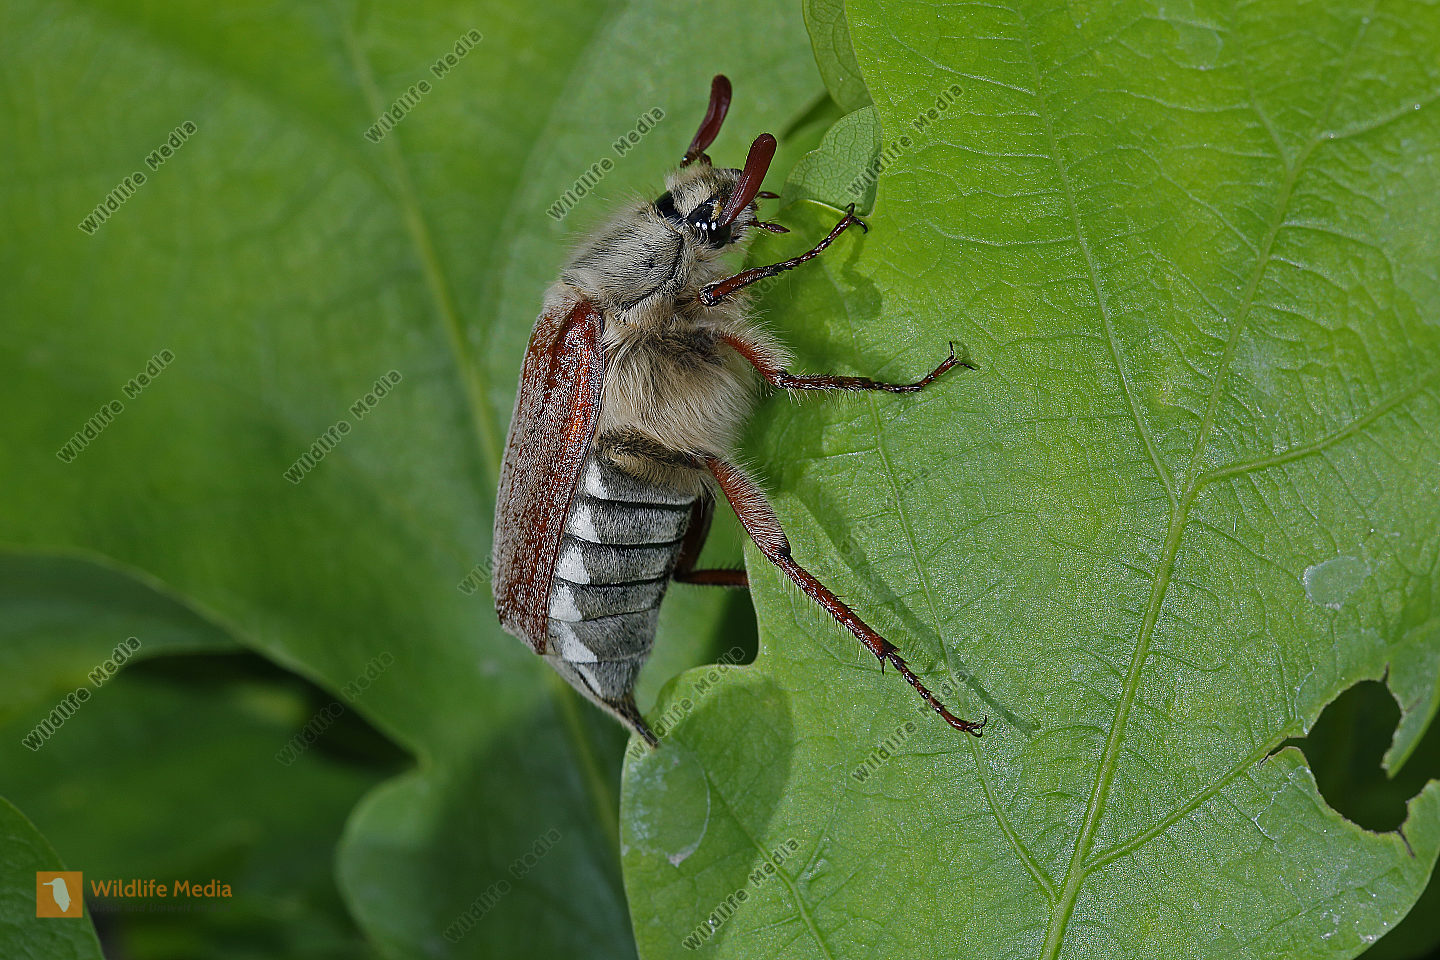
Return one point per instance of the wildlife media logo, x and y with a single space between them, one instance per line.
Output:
59 893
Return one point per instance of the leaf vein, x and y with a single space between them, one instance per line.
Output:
1199 797
1294 453
780 873
1026 857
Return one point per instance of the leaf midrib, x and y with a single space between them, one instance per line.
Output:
471 374
601 793
482 414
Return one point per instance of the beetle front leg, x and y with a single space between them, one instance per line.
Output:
713 293
760 522
768 365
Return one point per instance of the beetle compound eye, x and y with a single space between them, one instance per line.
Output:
702 219
701 216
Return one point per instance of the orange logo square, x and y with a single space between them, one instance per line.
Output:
59 893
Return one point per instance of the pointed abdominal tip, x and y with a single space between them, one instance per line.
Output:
757 164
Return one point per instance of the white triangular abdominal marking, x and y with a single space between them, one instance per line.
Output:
614 564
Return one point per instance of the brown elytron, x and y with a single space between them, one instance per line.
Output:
638 376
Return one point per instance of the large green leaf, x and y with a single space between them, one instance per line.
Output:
286 262
1187 499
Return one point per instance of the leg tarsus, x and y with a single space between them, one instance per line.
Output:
964 726
965 362
850 213
768 367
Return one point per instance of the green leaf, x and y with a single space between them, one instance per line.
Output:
1186 500
23 852
843 169
271 271
834 54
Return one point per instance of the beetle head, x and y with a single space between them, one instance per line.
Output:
713 205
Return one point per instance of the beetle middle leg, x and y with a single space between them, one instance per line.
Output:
760 522
713 293
769 367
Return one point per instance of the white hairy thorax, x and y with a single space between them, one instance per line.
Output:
669 378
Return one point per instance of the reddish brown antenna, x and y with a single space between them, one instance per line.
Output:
710 126
757 162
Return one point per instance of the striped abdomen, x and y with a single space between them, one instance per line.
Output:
622 538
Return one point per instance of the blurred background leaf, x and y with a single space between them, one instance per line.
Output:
64 615
174 770
23 852
287 263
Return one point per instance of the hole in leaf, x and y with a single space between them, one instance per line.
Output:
1344 750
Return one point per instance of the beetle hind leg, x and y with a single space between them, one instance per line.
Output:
761 523
694 542
718 577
